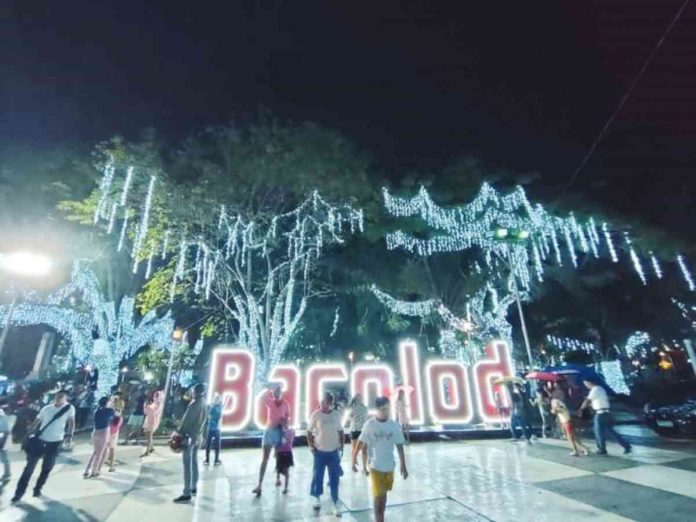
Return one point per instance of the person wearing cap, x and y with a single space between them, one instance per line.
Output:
190 429
603 422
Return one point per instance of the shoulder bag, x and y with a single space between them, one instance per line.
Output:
32 443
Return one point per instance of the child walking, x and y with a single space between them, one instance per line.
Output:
559 409
284 458
114 430
381 434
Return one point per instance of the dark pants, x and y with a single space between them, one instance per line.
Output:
603 424
213 438
521 422
323 460
49 459
81 417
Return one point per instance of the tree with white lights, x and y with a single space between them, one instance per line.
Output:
250 261
513 238
79 312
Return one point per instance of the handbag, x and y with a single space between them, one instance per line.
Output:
32 443
177 442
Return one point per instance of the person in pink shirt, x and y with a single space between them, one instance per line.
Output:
277 415
284 458
153 417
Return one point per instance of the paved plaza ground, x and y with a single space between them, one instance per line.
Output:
473 480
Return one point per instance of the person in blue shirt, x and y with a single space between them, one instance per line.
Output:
214 419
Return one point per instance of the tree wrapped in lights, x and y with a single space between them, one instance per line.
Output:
78 311
525 235
486 319
258 269
515 238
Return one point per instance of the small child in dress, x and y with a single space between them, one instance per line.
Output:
114 430
559 409
284 458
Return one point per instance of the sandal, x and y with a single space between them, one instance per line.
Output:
256 491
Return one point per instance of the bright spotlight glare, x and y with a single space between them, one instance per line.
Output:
25 264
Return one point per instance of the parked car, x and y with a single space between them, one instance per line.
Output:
676 419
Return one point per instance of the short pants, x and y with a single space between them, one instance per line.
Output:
355 435
382 481
272 437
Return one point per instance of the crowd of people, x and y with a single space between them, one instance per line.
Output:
373 439
557 417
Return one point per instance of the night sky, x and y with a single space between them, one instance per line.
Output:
525 85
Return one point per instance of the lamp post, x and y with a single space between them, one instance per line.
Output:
508 236
20 264
177 338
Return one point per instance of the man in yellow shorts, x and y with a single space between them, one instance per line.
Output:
381 434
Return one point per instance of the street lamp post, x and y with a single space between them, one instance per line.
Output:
177 338
20 264
504 235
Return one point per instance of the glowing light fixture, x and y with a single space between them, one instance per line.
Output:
25 264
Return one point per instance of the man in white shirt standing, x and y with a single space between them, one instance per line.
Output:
325 439
53 421
603 422
380 434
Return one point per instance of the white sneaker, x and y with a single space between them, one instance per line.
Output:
317 504
337 511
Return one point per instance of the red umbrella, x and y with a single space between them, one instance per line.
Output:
545 376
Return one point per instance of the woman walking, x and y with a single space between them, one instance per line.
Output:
277 413
213 438
100 437
357 418
153 417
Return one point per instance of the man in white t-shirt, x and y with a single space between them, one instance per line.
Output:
325 439
381 434
53 432
603 422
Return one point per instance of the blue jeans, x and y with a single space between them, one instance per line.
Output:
322 460
521 422
190 456
5 462
603 424
213 440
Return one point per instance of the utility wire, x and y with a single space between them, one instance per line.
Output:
627 95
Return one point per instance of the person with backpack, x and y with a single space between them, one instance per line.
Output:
53 422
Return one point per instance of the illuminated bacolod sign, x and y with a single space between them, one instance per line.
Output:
440 392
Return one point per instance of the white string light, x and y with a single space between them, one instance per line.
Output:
686 273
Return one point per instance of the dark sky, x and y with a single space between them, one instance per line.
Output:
522 84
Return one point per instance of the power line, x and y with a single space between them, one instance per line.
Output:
627 95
